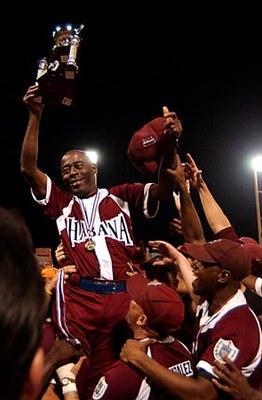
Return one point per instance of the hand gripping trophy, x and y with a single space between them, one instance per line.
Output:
56 75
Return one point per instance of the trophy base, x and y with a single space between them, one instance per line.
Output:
57 89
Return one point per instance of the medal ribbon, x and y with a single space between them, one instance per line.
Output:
90 224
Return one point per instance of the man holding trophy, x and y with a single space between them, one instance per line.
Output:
95 227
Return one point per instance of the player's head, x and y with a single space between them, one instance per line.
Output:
154 306
78 173
217 263
22 311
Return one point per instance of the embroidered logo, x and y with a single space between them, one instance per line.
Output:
100 389
225 348
148 141
154 283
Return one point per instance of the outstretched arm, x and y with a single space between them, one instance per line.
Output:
133 352
28 161
186 271
191 224
216 218
172 130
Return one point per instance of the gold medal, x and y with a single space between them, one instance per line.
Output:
90 245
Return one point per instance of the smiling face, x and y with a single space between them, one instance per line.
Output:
78 174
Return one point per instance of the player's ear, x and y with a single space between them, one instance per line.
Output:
33 381
94 167
142 320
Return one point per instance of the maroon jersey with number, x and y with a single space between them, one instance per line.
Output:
105 218
233 331
124 381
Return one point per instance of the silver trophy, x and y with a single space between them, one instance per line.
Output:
56 75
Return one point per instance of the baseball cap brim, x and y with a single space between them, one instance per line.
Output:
198 252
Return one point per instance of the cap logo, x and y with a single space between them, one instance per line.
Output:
215 241
154 283
148 141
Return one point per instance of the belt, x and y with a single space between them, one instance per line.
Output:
101 286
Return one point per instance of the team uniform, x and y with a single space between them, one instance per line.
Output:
233 331
253 298
94 300
125 382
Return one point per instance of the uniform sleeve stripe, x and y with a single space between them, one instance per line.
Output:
258 286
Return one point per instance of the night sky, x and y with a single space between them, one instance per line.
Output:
208 68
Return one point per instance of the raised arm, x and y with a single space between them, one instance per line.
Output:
215 216
191 224
172 129
181 262
28 161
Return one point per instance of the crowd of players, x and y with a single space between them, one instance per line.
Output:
126 319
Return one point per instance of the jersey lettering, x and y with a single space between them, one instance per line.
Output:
115 228
183 368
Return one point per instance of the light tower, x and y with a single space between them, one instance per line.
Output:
257 168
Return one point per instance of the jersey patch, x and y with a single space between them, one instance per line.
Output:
100 389
225 348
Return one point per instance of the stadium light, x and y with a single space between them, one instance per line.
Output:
256 163
92 155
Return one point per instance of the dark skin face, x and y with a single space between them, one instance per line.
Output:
207 275
78 174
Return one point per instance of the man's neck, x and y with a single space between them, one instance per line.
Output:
221 297
140 334
88 194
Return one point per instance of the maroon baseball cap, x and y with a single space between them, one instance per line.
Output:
247 239
226 253
144 147
255 252
161 304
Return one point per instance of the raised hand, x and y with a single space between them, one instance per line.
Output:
172 125
31 100
170 253
193 173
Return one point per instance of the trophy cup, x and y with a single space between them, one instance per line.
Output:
56 75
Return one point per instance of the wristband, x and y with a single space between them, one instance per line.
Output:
69 387
65 372
258 287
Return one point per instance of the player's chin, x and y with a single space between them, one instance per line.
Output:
77 191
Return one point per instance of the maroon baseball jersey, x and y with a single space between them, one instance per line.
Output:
233 331
83 316
107 216
125 382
